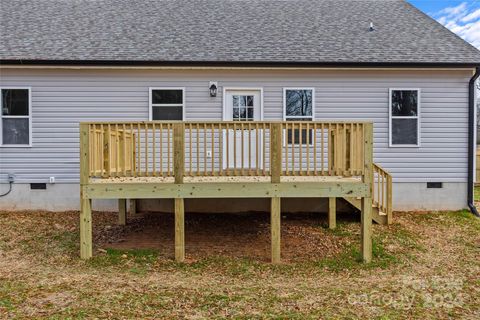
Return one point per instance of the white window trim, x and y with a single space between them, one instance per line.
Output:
285 103
285 117
151 105
418 117
225 89
29 145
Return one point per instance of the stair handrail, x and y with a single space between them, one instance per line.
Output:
382 191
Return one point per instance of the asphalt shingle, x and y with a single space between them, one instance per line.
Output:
290 31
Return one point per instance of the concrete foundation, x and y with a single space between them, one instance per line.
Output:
63 197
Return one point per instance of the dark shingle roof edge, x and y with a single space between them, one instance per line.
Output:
246 64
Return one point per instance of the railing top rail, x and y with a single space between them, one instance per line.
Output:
220 121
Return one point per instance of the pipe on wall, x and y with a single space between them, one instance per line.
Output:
471 141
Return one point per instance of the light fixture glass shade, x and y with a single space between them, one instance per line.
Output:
213 90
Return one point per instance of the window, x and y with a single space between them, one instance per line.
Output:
404 117
15 117
167 103
242 107
298 105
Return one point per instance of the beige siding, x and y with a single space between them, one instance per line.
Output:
62 98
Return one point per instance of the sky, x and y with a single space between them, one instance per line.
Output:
460 16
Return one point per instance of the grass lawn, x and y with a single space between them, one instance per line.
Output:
426 265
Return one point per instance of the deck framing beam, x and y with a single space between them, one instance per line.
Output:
225 190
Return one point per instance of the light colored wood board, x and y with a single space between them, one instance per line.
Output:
122 212
366 230
84 153
276 152
179 230
133 206
220 179
332 213
86 229
227 190
179 151
275 228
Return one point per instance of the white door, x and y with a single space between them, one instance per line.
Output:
241 106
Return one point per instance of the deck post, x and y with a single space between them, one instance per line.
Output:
179 151
179 170
366 218
85 203
122 212
133 207
275 225
179 230
276 152
86 228
332 213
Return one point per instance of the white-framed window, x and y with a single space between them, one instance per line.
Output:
404 117
15 117
167 103
298 105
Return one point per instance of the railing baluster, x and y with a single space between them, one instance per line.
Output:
169 148
300 149
227 147
234 149
293 148
257 155
308 149
198 149
264 148
154 150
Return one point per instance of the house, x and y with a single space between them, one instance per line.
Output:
385 62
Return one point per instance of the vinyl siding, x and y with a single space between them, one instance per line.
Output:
63 98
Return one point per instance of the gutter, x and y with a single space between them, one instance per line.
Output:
471 142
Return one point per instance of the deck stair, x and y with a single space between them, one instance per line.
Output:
382 196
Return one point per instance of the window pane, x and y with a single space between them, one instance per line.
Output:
293 135
294 138
298 102
15 102
167 96
15 131
167 113
404 131
404 102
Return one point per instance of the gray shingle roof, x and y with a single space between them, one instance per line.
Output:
277 31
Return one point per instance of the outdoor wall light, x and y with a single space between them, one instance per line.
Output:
213 88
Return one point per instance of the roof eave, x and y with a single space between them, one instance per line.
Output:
259 64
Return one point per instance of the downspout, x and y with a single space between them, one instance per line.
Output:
471 142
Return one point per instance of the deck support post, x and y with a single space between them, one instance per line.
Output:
275 226
133 207
86 228
122 212
85 203
332 213
366 219
179 230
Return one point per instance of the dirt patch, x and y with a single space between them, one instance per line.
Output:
231 235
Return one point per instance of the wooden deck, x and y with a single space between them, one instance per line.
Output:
273 160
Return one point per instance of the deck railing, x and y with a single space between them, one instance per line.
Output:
193 148
382 191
